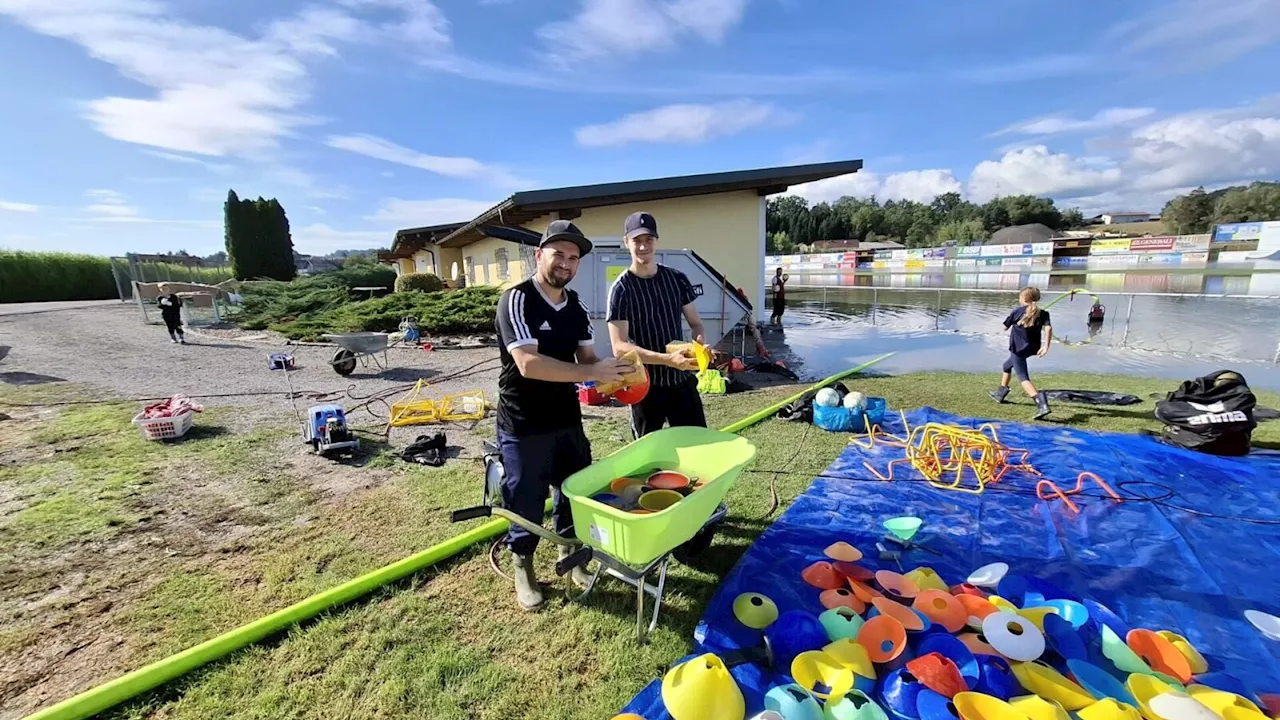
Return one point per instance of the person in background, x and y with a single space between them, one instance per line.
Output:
1026 325
546 348
779 297
645 307
171 313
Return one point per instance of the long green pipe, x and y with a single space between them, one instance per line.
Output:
1068 294
95 700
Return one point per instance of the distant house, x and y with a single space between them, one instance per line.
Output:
310 265
1121 218
851 245
1021 234
415 250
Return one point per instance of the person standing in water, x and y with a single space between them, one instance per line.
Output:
779 297
1026 325
171 313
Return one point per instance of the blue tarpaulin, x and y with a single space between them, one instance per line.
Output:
1163 565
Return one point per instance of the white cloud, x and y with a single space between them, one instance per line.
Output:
1205 147
1057 125
219 168
1205 33
108 205
917 185
1038 171
212 91
11 206
418 213
612 28
687 123
457 167
321 239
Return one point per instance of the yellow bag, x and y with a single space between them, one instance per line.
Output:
635 377
711 382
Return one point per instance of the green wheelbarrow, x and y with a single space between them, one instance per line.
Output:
630 546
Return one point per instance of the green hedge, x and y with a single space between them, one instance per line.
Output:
420 282
46 276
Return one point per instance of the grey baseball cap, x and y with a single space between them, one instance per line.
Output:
567 231
640 223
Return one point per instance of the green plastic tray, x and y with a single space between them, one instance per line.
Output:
714 457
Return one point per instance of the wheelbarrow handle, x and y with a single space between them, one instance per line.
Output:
481 511
471 513
577 559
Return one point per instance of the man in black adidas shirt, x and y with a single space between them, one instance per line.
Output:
546 347
646 305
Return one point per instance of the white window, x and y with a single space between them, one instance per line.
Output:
471 269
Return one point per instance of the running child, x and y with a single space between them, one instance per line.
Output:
1026 324
171 313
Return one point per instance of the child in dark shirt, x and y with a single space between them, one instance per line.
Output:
171 313
1026 324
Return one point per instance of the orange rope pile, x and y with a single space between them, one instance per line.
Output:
940 451
1047 490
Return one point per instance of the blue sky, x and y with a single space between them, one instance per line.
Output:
125 121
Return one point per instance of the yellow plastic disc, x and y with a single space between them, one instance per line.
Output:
1219 700
1036 615
1001 603
702 689
1109 709
850 654
976 706
821 674
1143 688
1239 713
755 610
1189 651
1037 708
927 579
1052 685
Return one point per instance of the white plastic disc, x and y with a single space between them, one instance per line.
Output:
989 576
1268 625
1013 636
1180 706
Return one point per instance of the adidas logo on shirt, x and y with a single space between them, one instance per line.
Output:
545 325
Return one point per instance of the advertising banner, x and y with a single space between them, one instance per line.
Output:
884 254
879 264
915 254
1075 260
1109 247
1111 261
1041 261
849 257
1237 232
969 251
991 250
1152 244
936 253
1192 243
899 255
1013 250
1234 256
896 264
992 262
1200 258
913 263
1017 262
1161 259
935 262
966 263
1044 248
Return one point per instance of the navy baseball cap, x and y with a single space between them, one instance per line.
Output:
565 230
640 223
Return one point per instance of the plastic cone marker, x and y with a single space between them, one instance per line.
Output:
900 690
1239 713
1219 700
1227 682
950 647
1015 589
702 689
1169 680
903 528
766 715
1070 610
1013 636
976 706
988 576
864 592
840 622
793 701
1037 708
977 644
850 654
883 637
1109 709
941 608
976 608
1267 624
821 674
933 706
1120 654
938 673
1194 659
926 578
843 552
1062 639
853 571
1102 616
895 585
997 678
1144 687
1160 654
795 632
823 575
755 610
842 597
855 705
968 589
627 716
1002 604
1050 684
1100 683
1037 615
1180 706
910 621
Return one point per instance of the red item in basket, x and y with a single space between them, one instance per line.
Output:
173 407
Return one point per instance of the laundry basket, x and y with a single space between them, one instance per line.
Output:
164 428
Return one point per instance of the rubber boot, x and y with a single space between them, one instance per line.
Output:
1042 407
999 395
528 594
579 574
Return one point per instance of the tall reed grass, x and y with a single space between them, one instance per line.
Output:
45 276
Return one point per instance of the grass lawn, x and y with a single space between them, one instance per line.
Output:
446 643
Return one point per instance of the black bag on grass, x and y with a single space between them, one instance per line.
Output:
1211 414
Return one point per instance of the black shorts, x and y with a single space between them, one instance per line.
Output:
673 405
779 304
1018 366
172 322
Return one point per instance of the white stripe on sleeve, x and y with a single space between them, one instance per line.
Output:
515 308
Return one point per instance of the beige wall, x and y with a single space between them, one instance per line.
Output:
727 230
485 268
404 266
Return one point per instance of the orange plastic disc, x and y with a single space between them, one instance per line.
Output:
938 673
842 597
1160 654
895 585
942 608
864 592
967 589
843 552
853 571
977 645
901 613
976 607
883 637
822 575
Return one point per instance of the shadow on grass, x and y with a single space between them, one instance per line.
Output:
202 432
406 375
26 378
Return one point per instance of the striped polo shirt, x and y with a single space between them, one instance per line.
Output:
654 310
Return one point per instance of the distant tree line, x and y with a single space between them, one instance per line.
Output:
259 244
949 219
1198 211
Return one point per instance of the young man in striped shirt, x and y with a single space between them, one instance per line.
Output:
645 308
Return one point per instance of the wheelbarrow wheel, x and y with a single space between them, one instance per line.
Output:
689 552
344 362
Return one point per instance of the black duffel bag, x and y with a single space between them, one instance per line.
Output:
1212 414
